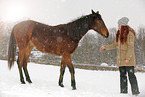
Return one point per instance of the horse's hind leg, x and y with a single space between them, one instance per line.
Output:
26 73
62 70
21 74
26 58
20 65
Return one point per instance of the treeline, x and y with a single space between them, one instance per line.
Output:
87 51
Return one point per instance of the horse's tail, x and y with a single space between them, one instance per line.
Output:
12 50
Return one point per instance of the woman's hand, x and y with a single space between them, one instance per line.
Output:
126 61
102 48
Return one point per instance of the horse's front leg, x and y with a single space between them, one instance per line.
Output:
62 70
72 71
68 62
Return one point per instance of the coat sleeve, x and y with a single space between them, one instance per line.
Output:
130 46
111 46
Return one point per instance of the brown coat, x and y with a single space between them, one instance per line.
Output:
125 51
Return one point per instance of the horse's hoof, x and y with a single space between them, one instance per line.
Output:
61 85
74 88
23 82
29 81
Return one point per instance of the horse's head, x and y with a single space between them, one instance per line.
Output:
99 25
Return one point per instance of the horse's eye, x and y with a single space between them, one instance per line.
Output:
99 21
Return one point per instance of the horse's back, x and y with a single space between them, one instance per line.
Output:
48 39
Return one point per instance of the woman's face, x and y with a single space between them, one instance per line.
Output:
119 26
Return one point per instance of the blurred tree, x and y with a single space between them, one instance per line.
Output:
4 38
140 47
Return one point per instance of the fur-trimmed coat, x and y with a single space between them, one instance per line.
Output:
126 50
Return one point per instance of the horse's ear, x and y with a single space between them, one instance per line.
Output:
97 12
93 12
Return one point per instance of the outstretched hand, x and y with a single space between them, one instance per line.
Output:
102 48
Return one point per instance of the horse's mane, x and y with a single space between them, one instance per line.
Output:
78 27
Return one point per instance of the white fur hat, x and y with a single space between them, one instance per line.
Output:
123 21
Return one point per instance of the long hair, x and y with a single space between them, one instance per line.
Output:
122 34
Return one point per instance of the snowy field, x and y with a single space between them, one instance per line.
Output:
45 83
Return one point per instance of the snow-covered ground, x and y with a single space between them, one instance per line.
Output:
45 83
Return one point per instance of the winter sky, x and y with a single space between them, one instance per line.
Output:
55 12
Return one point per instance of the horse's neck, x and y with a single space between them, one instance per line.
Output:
77 31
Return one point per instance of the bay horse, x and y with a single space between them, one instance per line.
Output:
59 40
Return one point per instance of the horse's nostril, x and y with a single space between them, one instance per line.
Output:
107 35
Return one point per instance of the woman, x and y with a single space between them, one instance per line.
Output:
126 61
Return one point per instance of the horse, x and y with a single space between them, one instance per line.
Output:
61 40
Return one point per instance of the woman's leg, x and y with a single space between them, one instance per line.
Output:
123 79
132 79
